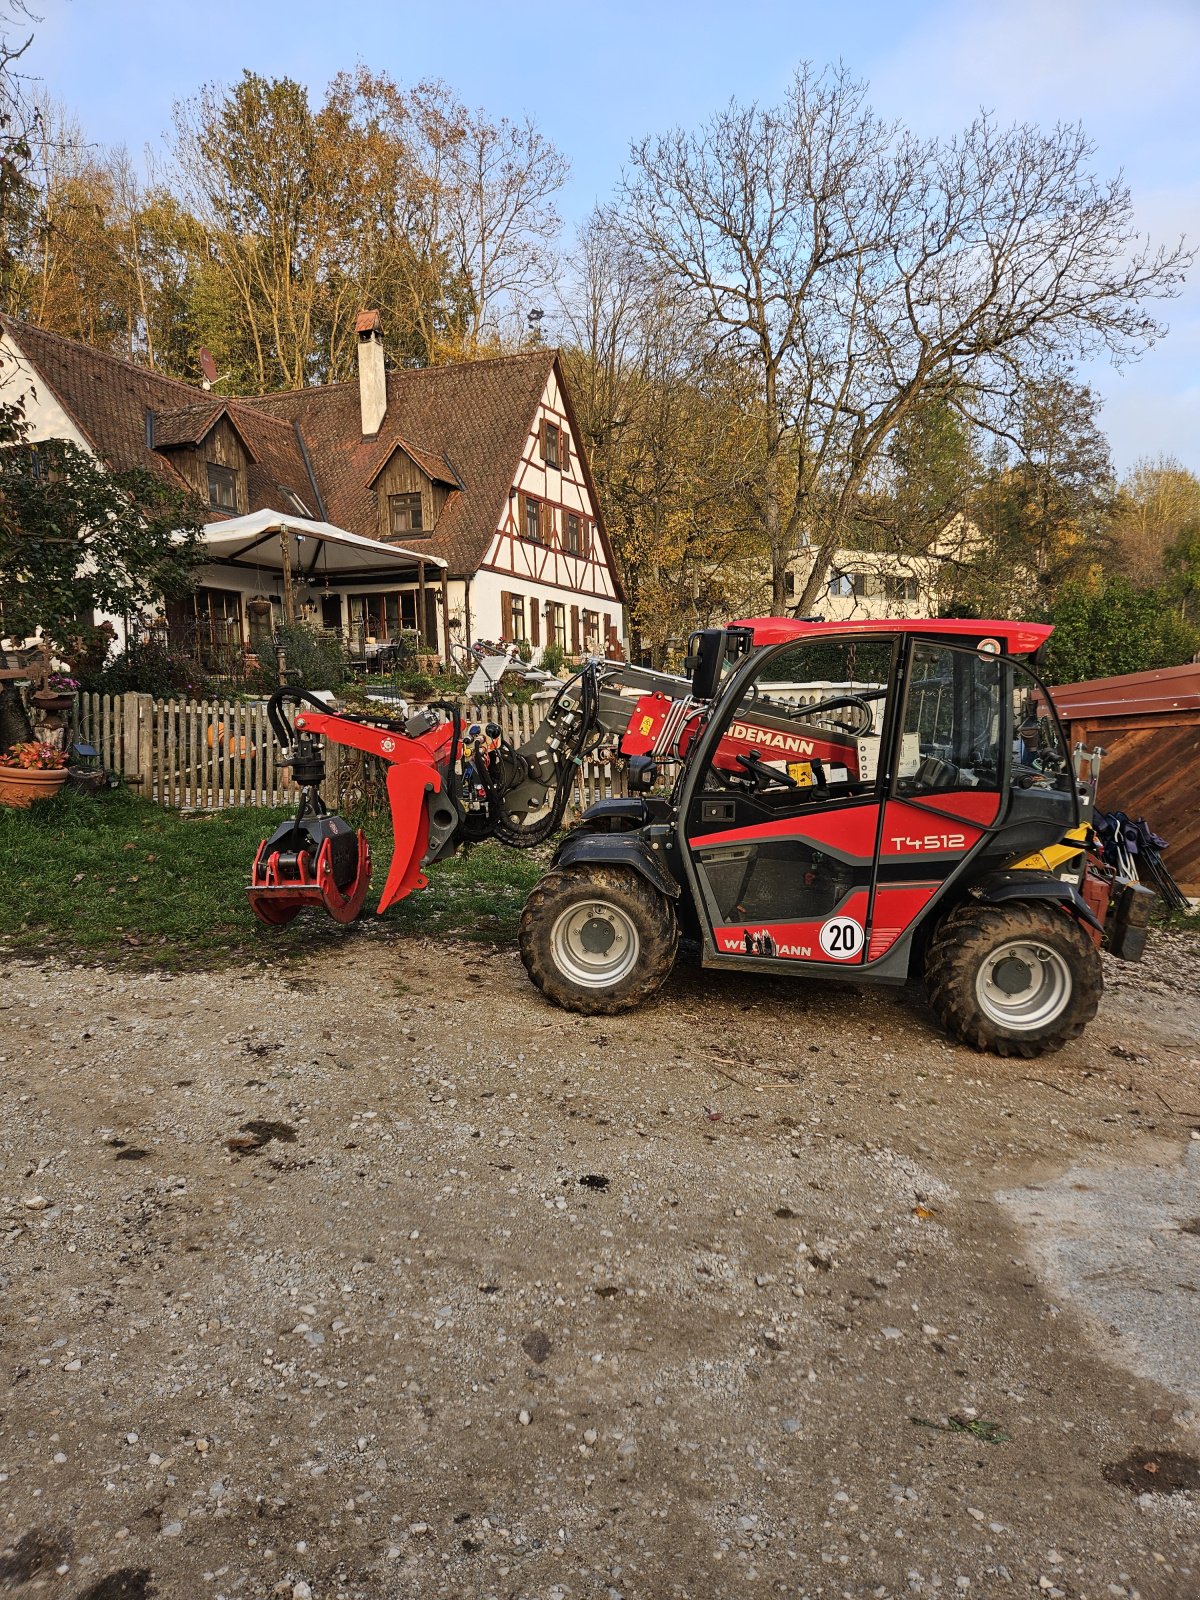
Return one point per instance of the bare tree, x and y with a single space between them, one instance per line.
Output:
668 439
856 269
503 178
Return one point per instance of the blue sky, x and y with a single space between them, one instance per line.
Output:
596 75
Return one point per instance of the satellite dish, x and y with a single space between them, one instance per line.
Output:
207 366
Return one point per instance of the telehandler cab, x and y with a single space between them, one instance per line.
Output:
863 801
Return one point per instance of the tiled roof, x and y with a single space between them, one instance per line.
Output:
105 397
186 424
479 413
277 462
434 466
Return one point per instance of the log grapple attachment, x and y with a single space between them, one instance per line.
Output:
317 858
310 861
449 785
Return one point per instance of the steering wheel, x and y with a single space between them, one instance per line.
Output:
763 776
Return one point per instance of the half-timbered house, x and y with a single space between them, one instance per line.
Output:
451 502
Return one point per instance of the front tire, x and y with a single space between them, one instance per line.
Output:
1019 979
597 939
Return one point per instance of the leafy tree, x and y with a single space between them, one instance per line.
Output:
18 126
1182 563
400 198
1105 628
77 539
1038 518
667 430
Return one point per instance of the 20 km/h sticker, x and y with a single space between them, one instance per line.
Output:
841 938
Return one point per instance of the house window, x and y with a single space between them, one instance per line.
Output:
550 443
590 622
789 585
519 633
573 535
404 513
207 626
384 616
901 589
222 487
556 623
843 585
532 526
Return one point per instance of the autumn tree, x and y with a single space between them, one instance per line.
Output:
400 198
1157 503
667 435
264 180
856 269
67 272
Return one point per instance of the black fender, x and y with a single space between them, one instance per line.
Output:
618 850
615 815
1036 886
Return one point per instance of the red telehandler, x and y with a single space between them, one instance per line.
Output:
872 801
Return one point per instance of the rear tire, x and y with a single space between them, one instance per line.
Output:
597 939
1020 979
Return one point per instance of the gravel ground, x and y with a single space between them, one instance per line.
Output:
382 1278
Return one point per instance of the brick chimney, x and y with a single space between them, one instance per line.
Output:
372 380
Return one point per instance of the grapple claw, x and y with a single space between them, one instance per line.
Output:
310 861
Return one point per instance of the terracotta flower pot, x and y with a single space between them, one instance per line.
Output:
21 786
49 700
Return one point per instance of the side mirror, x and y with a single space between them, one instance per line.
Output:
706 657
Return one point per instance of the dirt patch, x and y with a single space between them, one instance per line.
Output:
129 1583
794 1345
1154 1472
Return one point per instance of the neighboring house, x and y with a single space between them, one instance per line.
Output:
454 501
872 584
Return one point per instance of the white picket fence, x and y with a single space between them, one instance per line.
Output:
204 755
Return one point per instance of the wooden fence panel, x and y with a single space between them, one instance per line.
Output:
208 755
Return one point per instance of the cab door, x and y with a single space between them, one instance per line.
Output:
851 781
783 812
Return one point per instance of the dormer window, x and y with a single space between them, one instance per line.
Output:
222 487
404 513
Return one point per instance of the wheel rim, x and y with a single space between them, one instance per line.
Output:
595 944
1023 985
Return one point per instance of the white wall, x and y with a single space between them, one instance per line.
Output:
486 621
876 604
567 580
46 419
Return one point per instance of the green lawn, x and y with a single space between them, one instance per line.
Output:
119 877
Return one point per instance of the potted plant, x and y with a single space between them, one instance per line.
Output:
30 772
59 693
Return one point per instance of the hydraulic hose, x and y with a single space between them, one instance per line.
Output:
566 765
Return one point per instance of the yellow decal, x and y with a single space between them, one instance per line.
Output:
1050 859
647 725
801 772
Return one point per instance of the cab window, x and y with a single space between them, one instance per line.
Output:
951 735
1039 750
807 729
